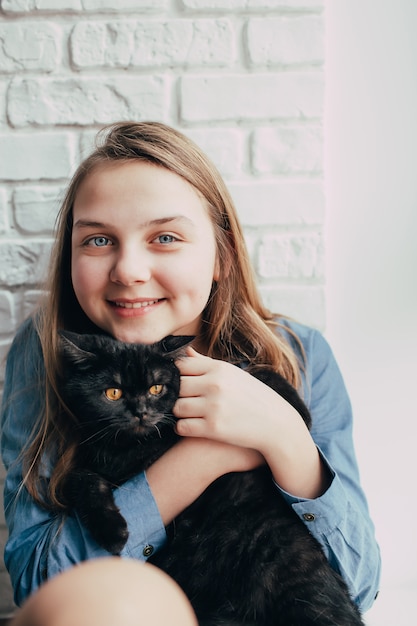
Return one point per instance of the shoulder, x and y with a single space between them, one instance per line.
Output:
26 335
306 341
22 395
319 369
25 353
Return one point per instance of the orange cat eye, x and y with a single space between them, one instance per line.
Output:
155 390
113 393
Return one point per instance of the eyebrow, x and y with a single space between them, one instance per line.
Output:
83 223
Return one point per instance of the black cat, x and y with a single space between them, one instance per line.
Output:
241 554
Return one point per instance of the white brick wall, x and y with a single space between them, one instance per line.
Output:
244 78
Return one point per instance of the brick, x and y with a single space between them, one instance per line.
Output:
101 44
19 6
251 241
235 97
287 150
223 146
3 210
264 203
291 256
30 302
87 142
204 5
35 208
152 43
7 313
124 5
184 42
303 303
83 101
3 99
23 262
285 40
35 156
28 47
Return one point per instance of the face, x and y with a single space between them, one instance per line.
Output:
143 252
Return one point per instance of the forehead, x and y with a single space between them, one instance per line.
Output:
144 189
134 176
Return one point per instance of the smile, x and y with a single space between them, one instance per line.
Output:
135 305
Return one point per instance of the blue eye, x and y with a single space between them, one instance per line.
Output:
166 239
99 242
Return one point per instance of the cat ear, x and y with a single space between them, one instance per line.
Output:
174 343
72 345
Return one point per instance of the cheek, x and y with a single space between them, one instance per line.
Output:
195 281
80 280
204 266
86 276
206 271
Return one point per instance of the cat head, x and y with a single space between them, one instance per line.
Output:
81 348
120 389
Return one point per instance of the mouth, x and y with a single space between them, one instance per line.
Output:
126 304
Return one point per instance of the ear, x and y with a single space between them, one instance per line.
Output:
174 343
73 347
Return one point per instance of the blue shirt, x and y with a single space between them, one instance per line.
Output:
43 543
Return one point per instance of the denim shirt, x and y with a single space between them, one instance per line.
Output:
43 543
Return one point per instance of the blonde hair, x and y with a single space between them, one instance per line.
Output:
236 326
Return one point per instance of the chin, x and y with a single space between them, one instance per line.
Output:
137 337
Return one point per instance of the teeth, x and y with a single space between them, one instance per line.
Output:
135 305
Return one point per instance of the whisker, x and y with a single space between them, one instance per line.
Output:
100 435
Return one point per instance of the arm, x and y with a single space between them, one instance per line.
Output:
340 518
316 472
187 469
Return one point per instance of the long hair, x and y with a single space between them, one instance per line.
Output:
235 324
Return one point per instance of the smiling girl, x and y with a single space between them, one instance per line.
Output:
148 244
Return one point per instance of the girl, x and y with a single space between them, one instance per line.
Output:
148 244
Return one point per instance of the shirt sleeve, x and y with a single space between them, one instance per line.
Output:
42 543
339 519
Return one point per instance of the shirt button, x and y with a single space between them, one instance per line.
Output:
309 517
147 550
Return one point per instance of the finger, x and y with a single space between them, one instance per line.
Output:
189 407
193 364
191 427
192 386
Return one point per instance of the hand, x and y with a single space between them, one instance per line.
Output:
223 402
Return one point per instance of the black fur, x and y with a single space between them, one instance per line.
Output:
241 554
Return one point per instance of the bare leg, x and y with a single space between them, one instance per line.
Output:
108 592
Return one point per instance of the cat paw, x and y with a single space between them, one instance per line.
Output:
113 533
115 546
116 542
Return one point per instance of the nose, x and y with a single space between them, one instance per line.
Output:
131 265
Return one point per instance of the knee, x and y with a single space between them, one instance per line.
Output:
108 591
